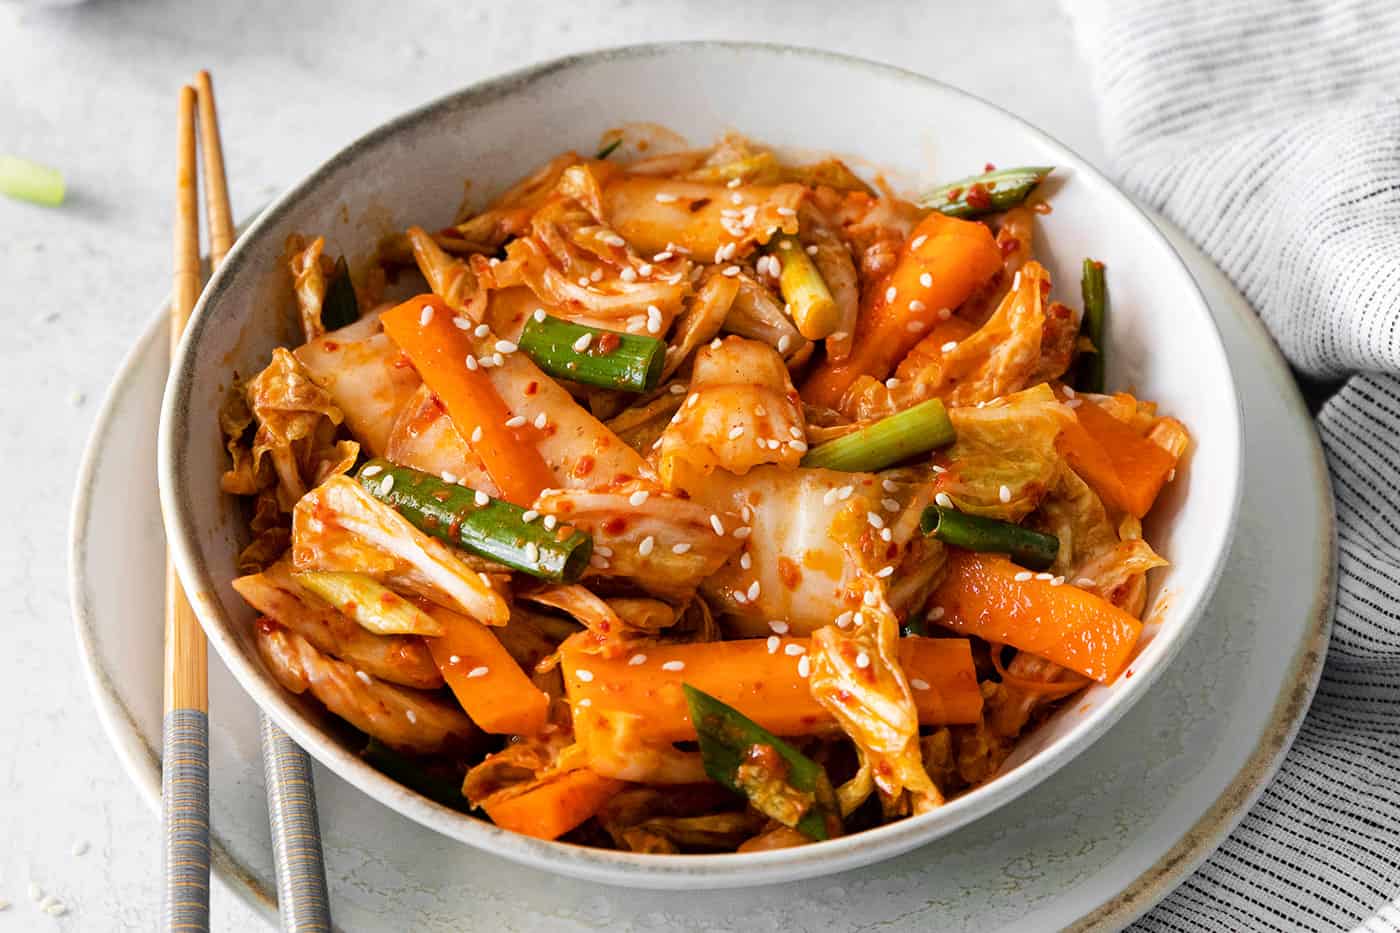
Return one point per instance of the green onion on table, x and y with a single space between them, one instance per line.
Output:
985 194
592 355
804 290
492 528
30 181
1094 289
778 780
1025 546
914 431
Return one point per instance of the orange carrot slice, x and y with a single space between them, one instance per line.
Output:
764 686
1126 469
423 329
982 596
491 687
945 260
555 806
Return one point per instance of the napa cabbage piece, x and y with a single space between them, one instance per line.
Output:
658 214
660 542
1010 444
308 282
297 422
640 426
756 315
742 412
341 527
521 766
406 720
857 678
614 745
833 260
449 277
579 265
510 214
366 377
704 315
876 227
1015 238
399 659
713 832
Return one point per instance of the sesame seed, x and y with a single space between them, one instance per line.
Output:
844 619
926 280
1023 576
950 346
471 362
939 469
425 315
517 421
677 389
936 613
1172 475
690 402
681 548
532 552
716 344
891 383
373 469
585 676
666 197
945 313
804 667
673 666
550 522
387 484
612 239
482 330
455 659
779 627
603 550
1016 281
541 421
746 560
736 432
875 520
481 499
638 497
742 532
449 477
917 306
628 274
539 315
476 434
915 327
1069 391
646 546
411 715
830 497
1083 581
784 342
918 683
731 271
890 505
786 212
481 671
740 598
885 571
886 534
944 500
582 343
598 562
734 183
839 335
754 590
644 269
918 241
773 644
799 446
1057 581
717 525
585 702
364 678
736 198
812 250
583 281
862 660
662 256
529 515
792 649
1004 493
858 618
505 346
871 598
1074 403
596 275
845 492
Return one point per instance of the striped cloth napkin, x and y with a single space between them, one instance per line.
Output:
1269 130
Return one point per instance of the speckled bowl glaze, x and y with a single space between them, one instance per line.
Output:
1163 343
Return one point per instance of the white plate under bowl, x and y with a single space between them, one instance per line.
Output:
1091 848
1162 342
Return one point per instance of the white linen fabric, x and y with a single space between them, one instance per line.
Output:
1269 130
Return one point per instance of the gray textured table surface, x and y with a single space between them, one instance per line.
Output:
91 90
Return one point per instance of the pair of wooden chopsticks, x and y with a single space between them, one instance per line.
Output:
301 879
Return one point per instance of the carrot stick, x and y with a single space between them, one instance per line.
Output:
491 687
982 596
953 257
438 349
1126 469
764 686
554 807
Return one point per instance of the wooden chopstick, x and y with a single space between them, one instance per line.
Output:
185 771
302 899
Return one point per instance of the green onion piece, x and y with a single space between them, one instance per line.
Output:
370 603
593 356
888 441
778 780
984 194
804 290
1094 288
473 521
340 308
609 149
30 181
1025 546
435 783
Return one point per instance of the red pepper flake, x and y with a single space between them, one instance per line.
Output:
531 387
330 346
954 194
1008 244
788 572
608 343
978 197
584 466
989 167
615 525
698 205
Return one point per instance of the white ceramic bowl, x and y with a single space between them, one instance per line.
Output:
1162 342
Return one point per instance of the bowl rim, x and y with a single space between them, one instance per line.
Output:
665 871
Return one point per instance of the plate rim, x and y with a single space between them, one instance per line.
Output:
727 871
